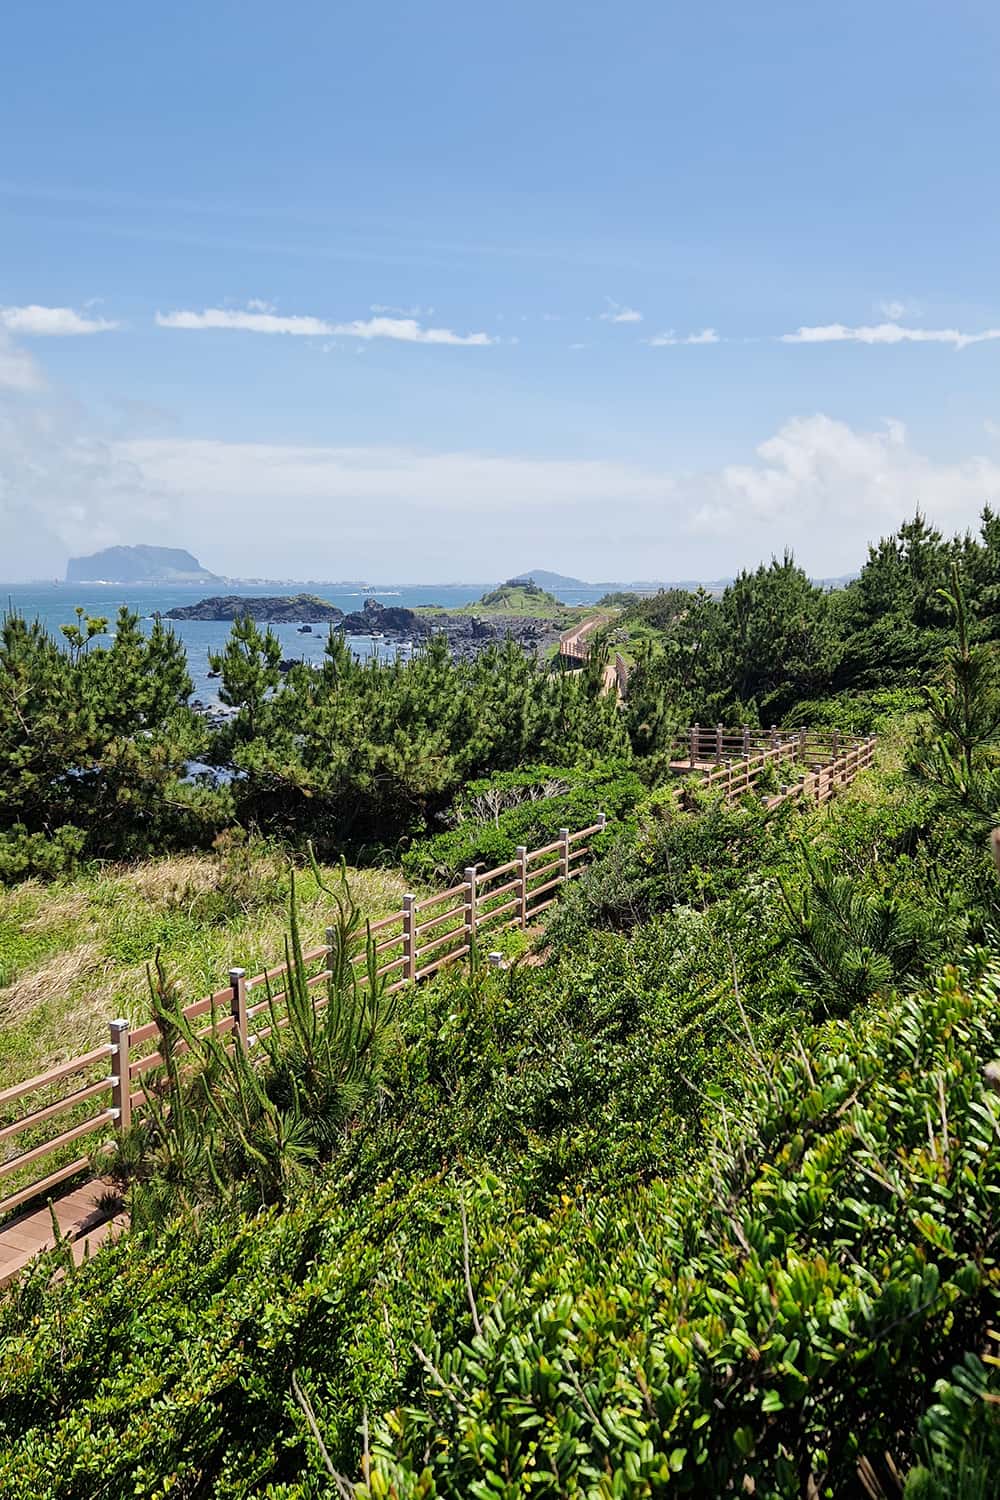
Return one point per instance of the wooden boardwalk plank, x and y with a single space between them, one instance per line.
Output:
80 1218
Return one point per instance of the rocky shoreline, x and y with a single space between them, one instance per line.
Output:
466 635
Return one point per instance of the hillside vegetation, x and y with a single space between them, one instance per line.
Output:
700 1194
521 597
74 952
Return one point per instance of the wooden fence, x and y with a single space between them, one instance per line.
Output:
703 745
810 765
48 1118
575 643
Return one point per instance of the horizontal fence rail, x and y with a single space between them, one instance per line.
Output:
808 764
48 1122
705 745
575 643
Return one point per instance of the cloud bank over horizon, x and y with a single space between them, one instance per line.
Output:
817 484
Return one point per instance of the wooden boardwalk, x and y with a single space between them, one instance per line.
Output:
81 1218
109 1084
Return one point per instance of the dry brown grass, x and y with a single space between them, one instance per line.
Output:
56 976
58 909
81 949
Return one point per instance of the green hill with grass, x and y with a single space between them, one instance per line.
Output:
519 598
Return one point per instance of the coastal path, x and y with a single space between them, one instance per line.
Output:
57 1124
89 1098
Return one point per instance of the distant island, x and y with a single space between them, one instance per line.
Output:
139 564
284 609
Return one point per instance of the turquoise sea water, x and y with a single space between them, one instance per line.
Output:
54 604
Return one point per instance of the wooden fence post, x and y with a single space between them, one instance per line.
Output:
746 741
718 744
693 734
729 779
470 904
238 981
774 735
564 856
602 822
522 875
410 936
121 1088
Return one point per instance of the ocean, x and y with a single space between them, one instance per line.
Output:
54 605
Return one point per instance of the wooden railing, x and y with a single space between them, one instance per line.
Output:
811 764
575 643
45 1117
713 744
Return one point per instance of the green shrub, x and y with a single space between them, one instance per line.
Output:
497 813
763 1327
786 1308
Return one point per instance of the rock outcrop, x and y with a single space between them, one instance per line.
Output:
282 609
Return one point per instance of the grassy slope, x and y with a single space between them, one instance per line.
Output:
74 954
517 603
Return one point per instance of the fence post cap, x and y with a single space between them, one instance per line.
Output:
564 833
521 849
120 1024
409 898
237 973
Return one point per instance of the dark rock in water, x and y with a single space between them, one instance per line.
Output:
278 609
305 630
467 635
380 619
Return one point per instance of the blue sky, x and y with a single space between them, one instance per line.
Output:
436 291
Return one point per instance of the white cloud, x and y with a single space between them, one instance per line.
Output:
892 310
887 333
406 330
18 371
257 304
706 336
827 488
64 488
248 322
817 484
43 322
617 313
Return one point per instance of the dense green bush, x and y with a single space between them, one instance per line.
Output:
783 1316
95 741
773 645
495 814
777 1314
